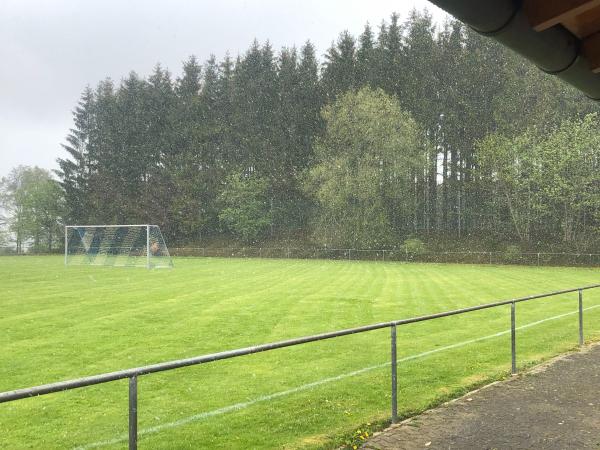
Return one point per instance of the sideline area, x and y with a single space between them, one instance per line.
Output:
552 406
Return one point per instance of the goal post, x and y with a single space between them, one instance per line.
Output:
116 245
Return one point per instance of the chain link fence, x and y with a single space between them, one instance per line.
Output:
352 254
465 257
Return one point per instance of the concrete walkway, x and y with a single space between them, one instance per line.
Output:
555 406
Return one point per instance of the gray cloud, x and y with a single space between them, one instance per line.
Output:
50 50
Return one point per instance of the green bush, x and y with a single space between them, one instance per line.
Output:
512 254
246 211
413 247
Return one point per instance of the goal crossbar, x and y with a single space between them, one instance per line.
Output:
110 226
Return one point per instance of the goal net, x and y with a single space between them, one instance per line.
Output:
116 245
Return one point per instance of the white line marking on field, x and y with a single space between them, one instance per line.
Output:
304 387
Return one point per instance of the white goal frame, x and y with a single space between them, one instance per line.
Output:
147 228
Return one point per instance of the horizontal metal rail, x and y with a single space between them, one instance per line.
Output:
133 373
160 367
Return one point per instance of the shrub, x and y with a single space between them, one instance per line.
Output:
246 211
413 247
512 254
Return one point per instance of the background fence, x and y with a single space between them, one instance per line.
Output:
467 257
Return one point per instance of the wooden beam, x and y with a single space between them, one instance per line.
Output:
591 51
543 14
585 24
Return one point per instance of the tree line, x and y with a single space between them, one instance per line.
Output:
407 130
31 210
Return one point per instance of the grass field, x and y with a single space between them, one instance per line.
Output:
59 323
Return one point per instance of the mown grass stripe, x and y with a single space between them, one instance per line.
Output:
265 398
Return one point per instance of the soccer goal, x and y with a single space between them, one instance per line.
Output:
116 245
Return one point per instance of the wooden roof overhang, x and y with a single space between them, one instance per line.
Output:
580 17
562 37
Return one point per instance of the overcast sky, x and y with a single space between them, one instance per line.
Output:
51 49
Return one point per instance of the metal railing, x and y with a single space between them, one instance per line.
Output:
352 254
133 373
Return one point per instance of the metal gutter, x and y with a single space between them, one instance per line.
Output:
555 51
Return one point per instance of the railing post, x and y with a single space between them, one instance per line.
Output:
513 340
394 376
581 317
133 413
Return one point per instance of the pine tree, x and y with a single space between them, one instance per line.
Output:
391 57
159 103
339 72
75 170
366 59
